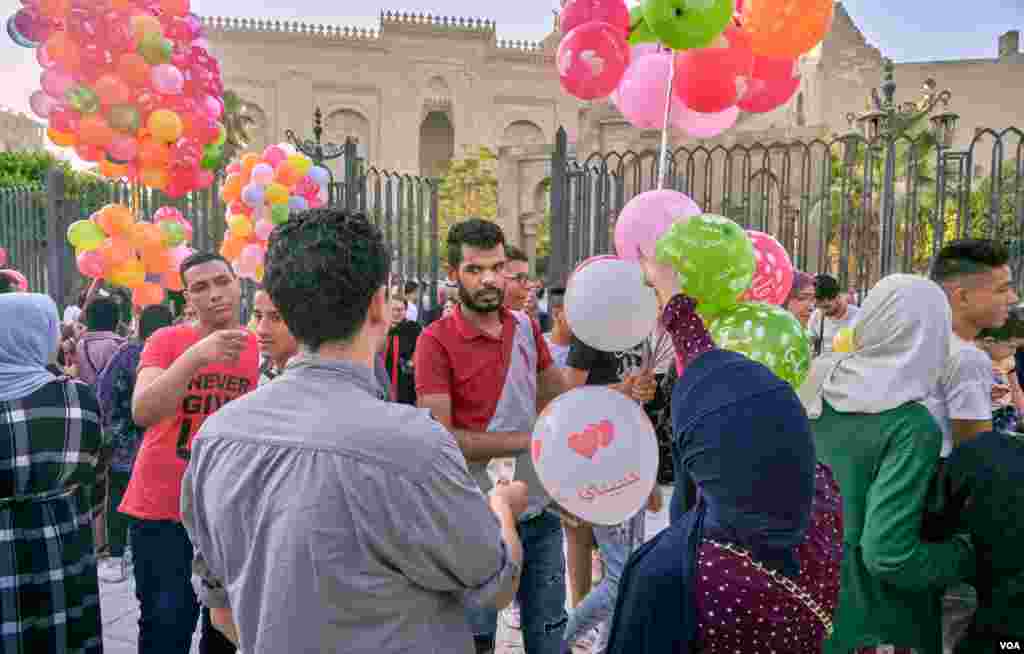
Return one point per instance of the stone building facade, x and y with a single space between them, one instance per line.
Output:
19 132
421 89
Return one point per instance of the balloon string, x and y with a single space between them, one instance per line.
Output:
663 164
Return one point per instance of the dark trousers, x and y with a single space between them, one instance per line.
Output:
117 522
163 585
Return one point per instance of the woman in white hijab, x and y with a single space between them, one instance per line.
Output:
883 447
50 450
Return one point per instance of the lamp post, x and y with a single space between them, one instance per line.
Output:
321 153
882 125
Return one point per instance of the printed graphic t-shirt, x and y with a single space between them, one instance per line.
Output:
155 487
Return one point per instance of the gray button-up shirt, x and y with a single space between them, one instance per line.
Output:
332 521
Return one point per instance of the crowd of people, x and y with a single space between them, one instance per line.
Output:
351 470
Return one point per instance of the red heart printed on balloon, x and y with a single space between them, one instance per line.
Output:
606 432
585 444
536 450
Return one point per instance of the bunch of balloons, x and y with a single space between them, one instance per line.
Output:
142 256
130 85
260 191
726 56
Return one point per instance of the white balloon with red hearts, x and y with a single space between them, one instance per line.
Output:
596 454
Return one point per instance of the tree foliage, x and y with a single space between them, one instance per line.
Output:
468 189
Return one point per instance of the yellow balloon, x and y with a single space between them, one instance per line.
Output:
165 125
301 163
276 194
259 272
843 341
129 274
240 226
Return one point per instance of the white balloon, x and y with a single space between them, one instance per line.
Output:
608 305
596 454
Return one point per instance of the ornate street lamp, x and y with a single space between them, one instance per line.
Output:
321 152
882 124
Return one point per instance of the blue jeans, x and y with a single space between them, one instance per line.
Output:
541 593
163 585
615 544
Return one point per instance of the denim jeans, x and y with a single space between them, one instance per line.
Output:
615 544
541 595
163 585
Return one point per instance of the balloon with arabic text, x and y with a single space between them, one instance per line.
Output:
596 454
130 85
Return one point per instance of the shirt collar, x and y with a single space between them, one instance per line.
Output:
308 364
468 331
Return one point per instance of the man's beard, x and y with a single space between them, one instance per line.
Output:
471 302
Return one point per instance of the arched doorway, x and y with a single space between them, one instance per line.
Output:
437 143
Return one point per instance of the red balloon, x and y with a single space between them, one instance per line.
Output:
90 153
706 78
591 60
580 12
773 278
772 83
65 119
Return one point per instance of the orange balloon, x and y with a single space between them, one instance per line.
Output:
111 170
172 281
286 174
54 9
143 24
61 139
133 69
116 251
165 125
232 189
786 29
147 293
249 162
112 90
154 178
146 236
129 274
174 7
120 4
156 260
62 49
115 219
153 154
94 130
232 247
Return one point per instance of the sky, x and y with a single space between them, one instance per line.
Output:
905 30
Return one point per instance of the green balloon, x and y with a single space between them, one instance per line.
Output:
212 156
714 258
82 99
767 334
279 214
639 32
155 49
85 235
174 233
124 117
222 136
686 24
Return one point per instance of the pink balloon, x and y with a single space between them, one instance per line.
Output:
273 155
707 79
646 217
263 229
772 83
179 254
213 107
55 81
17 277
204 178
167 79
250 259
42 104
3 257
773 277
591 60
581 12
123 148
704 126
641 93
90 264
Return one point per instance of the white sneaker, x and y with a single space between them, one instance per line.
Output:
513 620
112 570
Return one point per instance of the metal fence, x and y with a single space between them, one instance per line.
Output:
834 205
34 222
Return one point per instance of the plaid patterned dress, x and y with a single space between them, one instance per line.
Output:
50 450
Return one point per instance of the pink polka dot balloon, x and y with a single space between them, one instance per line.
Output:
773 277
591 60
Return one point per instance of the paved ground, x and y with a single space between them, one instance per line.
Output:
121 610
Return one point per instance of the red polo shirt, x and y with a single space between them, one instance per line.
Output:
455 358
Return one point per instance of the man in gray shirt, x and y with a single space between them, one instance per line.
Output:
323 518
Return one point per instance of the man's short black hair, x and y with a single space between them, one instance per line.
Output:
323 268
512 253
474 232
826 287
102 315
198 259
152 318
411 287
968 257
556 299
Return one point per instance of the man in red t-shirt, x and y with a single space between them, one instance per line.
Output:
186 372
484 371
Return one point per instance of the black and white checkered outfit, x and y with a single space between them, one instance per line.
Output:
51 447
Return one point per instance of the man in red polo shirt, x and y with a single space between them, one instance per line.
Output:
482 371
